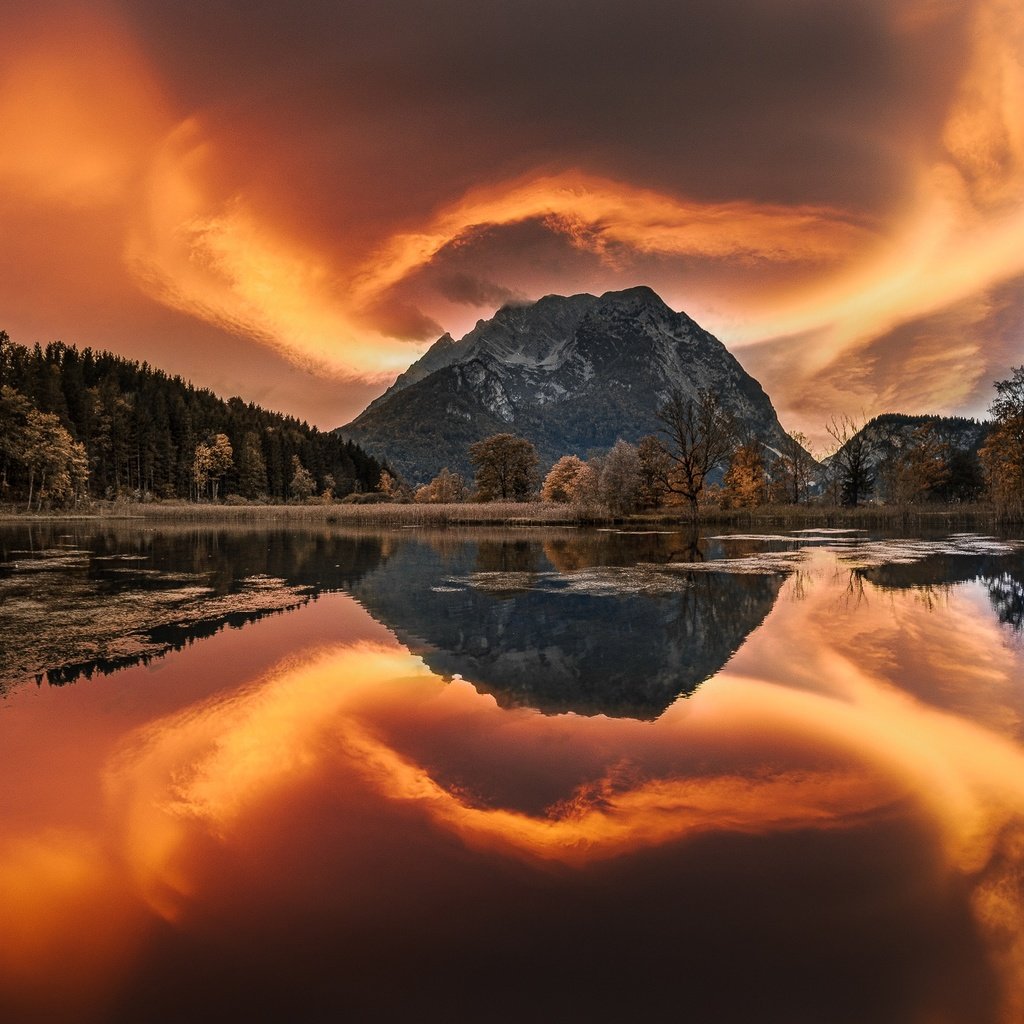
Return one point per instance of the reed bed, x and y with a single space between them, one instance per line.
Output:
382 514
522 514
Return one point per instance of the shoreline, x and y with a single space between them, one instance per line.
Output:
511 514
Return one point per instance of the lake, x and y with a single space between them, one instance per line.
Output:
506 775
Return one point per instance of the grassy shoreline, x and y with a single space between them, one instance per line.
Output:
513 514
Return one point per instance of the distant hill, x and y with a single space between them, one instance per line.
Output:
140 428
572 374
893 429
888 434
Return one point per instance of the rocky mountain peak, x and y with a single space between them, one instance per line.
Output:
572 373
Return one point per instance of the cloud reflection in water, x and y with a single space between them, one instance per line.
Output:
355 765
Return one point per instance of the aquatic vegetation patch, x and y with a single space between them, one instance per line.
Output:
764 563
775 538
59 623
829 530
872 554
598 581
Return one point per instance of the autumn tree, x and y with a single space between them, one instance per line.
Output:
1002 457
201 463
446 488
585 489
221 461
699 436
53 458
213 458
302 483
917 466
506 467
621 479
387 484
557 484
746 480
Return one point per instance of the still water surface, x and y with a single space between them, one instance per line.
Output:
547 774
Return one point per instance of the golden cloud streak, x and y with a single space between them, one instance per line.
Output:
962 235
598 214
213 766
218 260
227 267
84 122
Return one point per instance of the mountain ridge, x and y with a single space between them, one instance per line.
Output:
571 373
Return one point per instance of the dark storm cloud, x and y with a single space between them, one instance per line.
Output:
475 291
402 320
404 104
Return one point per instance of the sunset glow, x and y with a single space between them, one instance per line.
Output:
895 284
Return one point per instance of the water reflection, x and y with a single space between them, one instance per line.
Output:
831 828
559 620
1002 575
802 840
596 622
581 622
79 601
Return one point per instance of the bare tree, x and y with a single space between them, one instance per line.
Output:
852 463
793 469
700 435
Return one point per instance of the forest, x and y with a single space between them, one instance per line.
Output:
78 425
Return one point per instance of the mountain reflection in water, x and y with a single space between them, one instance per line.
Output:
830 829
571 624
597 622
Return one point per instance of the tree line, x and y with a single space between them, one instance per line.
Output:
76 425
701 456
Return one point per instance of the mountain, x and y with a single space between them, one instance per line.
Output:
892 430
572 374
884 441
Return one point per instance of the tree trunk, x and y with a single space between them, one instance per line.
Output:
31 482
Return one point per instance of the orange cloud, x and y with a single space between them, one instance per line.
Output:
86 121
959 239
67 926
78 111
598 215
221 262
212 256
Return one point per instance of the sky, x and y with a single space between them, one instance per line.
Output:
291 202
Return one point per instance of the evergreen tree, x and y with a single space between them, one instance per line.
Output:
140 429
